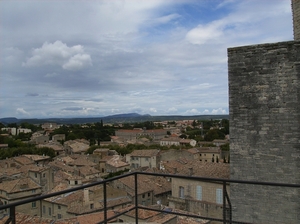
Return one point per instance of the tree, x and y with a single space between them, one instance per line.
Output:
214 134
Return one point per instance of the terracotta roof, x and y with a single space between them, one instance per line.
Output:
53 145
82 161
171 139
91 218
27 219
200 169
37 157
23 160
18 185
87 170
144 184
116 161
145 152
10 171
193 150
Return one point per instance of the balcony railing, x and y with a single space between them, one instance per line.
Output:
227 207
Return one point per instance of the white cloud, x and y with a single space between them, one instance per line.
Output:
192 112
172 109
78 62
153 110
58 53
218 111
22 112
204 33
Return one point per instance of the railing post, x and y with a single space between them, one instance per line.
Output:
224 202
12 214
105 202
136 198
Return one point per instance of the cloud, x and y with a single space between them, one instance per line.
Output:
73 108
218 111
21 111
78 62
153 110
58 53
32 94
165 57
204 33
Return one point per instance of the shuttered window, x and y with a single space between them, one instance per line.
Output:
199 193
219 196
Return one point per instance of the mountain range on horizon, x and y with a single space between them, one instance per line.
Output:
128 117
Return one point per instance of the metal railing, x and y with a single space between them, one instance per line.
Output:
227 207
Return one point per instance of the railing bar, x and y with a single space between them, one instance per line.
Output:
136 198
153 174
224 202
230 207
12 214
116 216
105 202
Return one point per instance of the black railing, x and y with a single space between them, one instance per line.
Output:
227 208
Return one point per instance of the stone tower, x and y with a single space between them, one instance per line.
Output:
296 18
264 101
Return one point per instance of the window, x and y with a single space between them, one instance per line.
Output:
143 195
76 182
149 194
35 175
58 207
44 174
199 193
147 159
181 192
49 211
33 191
59 216
91 206
219 196
33 204
143 202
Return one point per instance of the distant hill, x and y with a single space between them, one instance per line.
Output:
117 118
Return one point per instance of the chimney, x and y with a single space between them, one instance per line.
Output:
296 18
175 170
191 171
86 197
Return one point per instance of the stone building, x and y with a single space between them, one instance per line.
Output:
143 158
265 128
199 197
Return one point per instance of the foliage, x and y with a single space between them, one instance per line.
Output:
118 173
214 134
225 147
26 149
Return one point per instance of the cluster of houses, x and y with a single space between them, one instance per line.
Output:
27 176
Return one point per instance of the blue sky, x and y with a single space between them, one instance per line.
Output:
98 58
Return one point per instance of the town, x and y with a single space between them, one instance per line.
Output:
42 159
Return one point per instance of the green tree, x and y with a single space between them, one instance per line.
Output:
214 134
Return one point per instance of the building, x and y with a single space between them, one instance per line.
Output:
59 137
143 158
199 197
264 84
115 164
209 154
170 141
20 189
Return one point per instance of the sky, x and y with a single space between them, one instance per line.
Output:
98 58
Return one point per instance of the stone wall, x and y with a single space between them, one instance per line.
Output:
296 18
264 110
